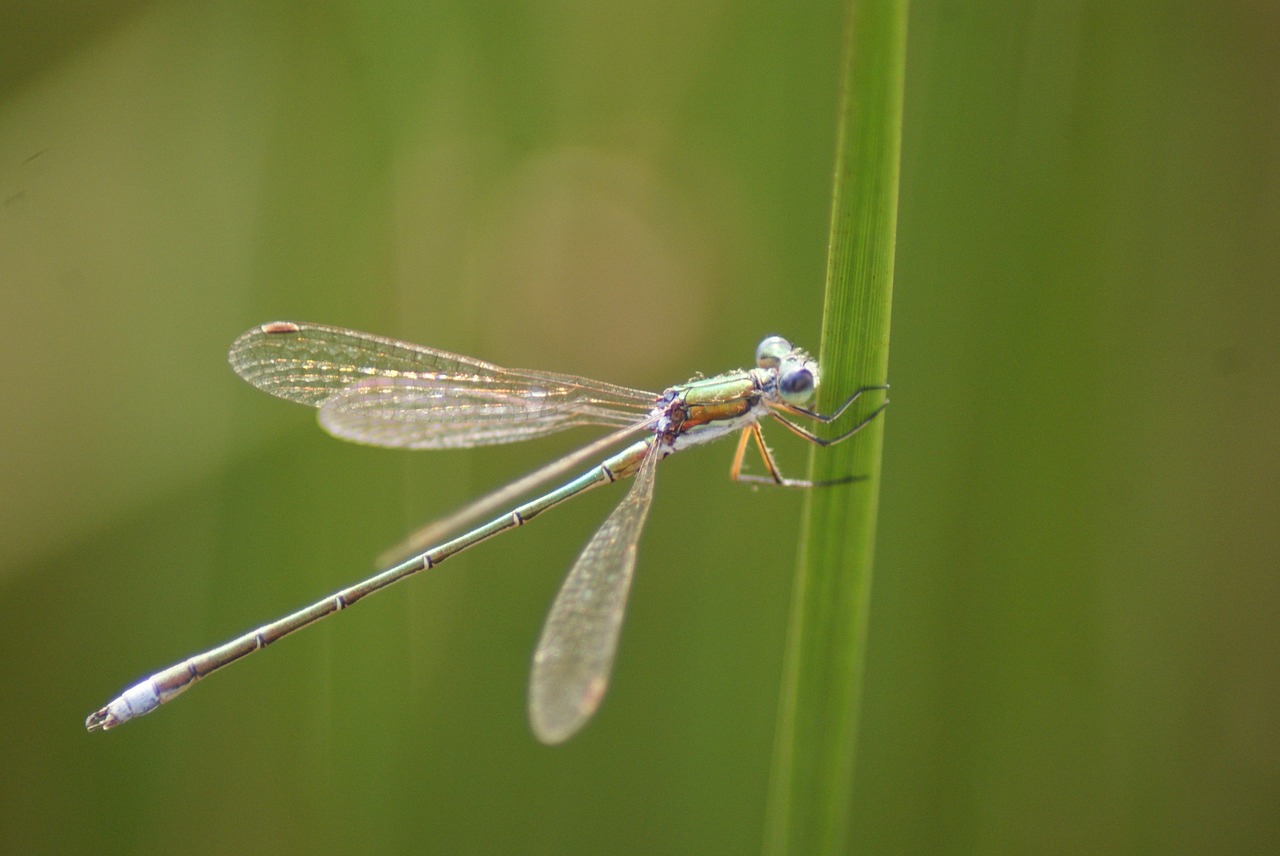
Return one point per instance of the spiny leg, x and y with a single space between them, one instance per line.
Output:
735 468
775 476
857 393
814 438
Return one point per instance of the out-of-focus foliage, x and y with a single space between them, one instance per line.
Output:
1073 638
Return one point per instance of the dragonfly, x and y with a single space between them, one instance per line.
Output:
383 392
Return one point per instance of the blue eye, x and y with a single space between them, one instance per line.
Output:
796 386
771 351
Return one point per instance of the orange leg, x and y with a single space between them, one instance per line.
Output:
775 476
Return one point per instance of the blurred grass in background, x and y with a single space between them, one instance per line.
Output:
1073 633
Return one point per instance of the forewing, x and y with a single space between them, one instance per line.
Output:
575 654
428 412
310 363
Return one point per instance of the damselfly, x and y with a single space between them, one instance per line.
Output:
382 392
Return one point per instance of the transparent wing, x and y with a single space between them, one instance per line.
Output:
430 413
389 393
438 530
575 654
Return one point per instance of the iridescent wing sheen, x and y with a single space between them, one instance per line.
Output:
575 654
379 391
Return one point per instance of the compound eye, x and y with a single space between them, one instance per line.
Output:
796 386
771 351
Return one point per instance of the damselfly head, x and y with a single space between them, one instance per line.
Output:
771 352
797 379
796 371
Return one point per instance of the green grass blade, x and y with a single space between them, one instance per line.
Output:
810 792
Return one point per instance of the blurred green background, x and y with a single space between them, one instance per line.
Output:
1074 638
